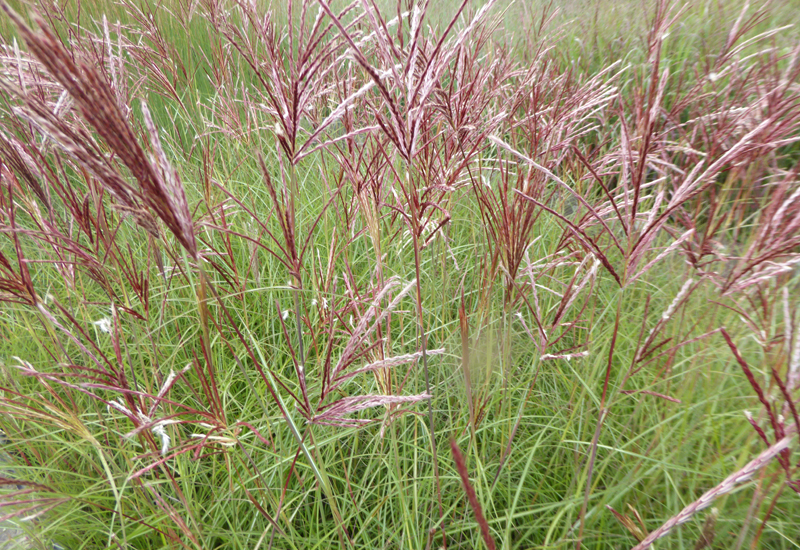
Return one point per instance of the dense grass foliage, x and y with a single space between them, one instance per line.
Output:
410 275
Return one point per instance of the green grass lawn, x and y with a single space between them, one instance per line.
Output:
370 276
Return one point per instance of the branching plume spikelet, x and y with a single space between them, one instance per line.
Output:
727 485
93 95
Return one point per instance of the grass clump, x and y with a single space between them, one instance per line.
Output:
367 275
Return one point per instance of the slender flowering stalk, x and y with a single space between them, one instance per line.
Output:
126 183
727 485
461 466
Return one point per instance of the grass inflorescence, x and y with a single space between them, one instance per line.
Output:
400 275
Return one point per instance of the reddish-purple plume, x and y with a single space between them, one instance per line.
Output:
461 466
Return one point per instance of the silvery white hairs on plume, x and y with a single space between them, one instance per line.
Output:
727 485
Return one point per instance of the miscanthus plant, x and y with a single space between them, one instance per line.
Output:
399 276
